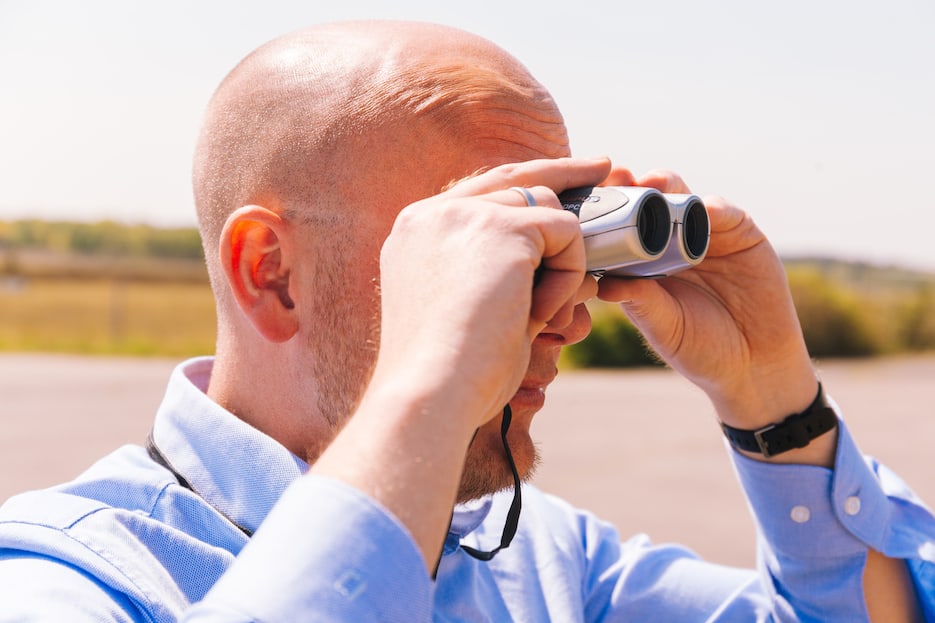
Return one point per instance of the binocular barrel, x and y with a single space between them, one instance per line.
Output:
631 231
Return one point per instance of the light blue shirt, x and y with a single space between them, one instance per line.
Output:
126 542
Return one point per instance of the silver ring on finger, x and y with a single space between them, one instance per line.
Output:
527 195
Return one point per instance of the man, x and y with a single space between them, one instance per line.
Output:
393 281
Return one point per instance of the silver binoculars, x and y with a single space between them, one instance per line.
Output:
631 231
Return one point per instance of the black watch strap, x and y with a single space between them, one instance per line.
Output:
796 431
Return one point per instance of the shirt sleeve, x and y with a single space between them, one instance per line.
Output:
331 573
815 526
37 588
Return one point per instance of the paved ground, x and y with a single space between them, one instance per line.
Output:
639 448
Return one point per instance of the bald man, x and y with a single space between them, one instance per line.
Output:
394 282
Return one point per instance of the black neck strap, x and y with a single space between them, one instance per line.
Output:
512 516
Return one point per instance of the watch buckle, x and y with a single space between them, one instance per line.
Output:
762 443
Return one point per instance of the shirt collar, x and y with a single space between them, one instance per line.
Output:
234 467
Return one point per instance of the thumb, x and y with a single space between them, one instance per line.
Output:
642 300
620 176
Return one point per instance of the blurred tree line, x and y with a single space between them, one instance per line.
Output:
105 238
855 310
104 250
846 309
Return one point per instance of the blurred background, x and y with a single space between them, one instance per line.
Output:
815 117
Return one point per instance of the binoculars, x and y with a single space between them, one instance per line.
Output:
632 231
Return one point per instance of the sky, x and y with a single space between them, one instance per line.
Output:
816 116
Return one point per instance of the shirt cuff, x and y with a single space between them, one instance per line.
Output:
806 511
326 552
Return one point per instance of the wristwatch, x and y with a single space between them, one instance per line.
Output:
796 431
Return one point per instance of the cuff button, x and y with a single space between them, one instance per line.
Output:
800 514
852 505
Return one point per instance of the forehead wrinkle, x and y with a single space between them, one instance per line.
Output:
432 88
547 138
483 104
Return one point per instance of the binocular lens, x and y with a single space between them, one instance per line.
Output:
695 229
654 224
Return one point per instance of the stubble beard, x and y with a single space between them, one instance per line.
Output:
345 346
487 470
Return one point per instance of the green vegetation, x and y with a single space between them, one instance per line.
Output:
612 343
845 309
854 310
111 288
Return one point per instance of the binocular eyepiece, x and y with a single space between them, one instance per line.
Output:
631 231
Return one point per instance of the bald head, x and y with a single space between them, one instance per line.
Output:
305 117
333 130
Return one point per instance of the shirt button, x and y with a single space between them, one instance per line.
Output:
800 514
852 505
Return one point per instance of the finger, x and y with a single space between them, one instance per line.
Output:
587 290
566 315
644 301
556 174
723 214
620 176
521 196
732 229
562 269
552 298
623 290
664 181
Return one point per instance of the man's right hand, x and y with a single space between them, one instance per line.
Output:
457 279
459 313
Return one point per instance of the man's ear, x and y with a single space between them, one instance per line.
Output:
258 269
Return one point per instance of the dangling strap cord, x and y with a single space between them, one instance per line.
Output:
512 517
